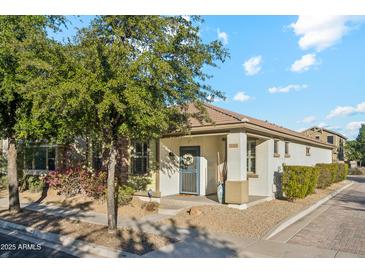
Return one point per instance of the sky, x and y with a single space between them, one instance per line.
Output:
294 71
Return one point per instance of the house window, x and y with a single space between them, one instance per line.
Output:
40 158
286 148
139 158
276 147
330 139
251 156
307 151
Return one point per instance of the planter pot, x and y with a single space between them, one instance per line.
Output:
220 192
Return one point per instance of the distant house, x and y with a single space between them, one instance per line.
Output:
331 137
246 153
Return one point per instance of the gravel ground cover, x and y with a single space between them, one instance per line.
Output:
135 209
253 222
129 240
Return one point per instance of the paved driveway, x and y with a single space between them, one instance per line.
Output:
339 224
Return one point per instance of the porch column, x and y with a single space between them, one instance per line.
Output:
236 187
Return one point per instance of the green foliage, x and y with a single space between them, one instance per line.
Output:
356 171
299 181
352 151
36 184
3 164
139 183
125 194
331 173
134 183
3 182
33 183
26 55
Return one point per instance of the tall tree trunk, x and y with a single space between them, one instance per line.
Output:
112 214
14 204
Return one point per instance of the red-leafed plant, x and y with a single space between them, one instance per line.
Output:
73 181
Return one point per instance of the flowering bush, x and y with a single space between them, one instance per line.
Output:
73 181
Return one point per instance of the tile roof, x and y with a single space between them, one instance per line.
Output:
221 116
328 130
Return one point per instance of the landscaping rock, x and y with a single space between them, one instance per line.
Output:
194 211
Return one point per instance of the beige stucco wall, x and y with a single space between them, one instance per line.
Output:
323 134
169 168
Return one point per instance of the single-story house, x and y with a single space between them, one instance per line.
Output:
248 154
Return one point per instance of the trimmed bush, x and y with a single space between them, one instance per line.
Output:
356 171
299 181
331 173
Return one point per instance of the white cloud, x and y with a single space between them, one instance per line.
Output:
323 125
322 31
241 96
301 129
287 89
346 110
304 63
354 126
308 119
223 36
253 65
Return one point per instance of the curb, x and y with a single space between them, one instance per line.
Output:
289 221
65 244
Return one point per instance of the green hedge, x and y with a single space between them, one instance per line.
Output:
331 173
299 181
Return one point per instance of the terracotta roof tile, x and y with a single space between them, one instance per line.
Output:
221 116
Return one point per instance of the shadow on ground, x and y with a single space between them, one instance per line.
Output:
147 238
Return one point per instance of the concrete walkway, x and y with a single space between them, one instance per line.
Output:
87 216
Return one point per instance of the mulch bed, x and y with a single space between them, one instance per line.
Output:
129 240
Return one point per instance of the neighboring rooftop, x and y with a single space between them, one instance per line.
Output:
221 116
328 130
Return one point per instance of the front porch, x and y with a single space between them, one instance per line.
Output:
195 164
194 200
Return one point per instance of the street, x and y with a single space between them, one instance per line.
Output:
337 225
12 247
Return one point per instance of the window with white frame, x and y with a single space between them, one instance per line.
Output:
308 151
286 148
251 156
276 147
41 157
139 158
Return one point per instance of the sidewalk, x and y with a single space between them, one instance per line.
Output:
87 216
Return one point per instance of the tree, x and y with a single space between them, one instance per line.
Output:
132 77
352 151
360 139
24 58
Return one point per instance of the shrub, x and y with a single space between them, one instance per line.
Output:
75 181
331 173
93 184
356 171
3 182
125 194
139 183
299 181
343 171
35 184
